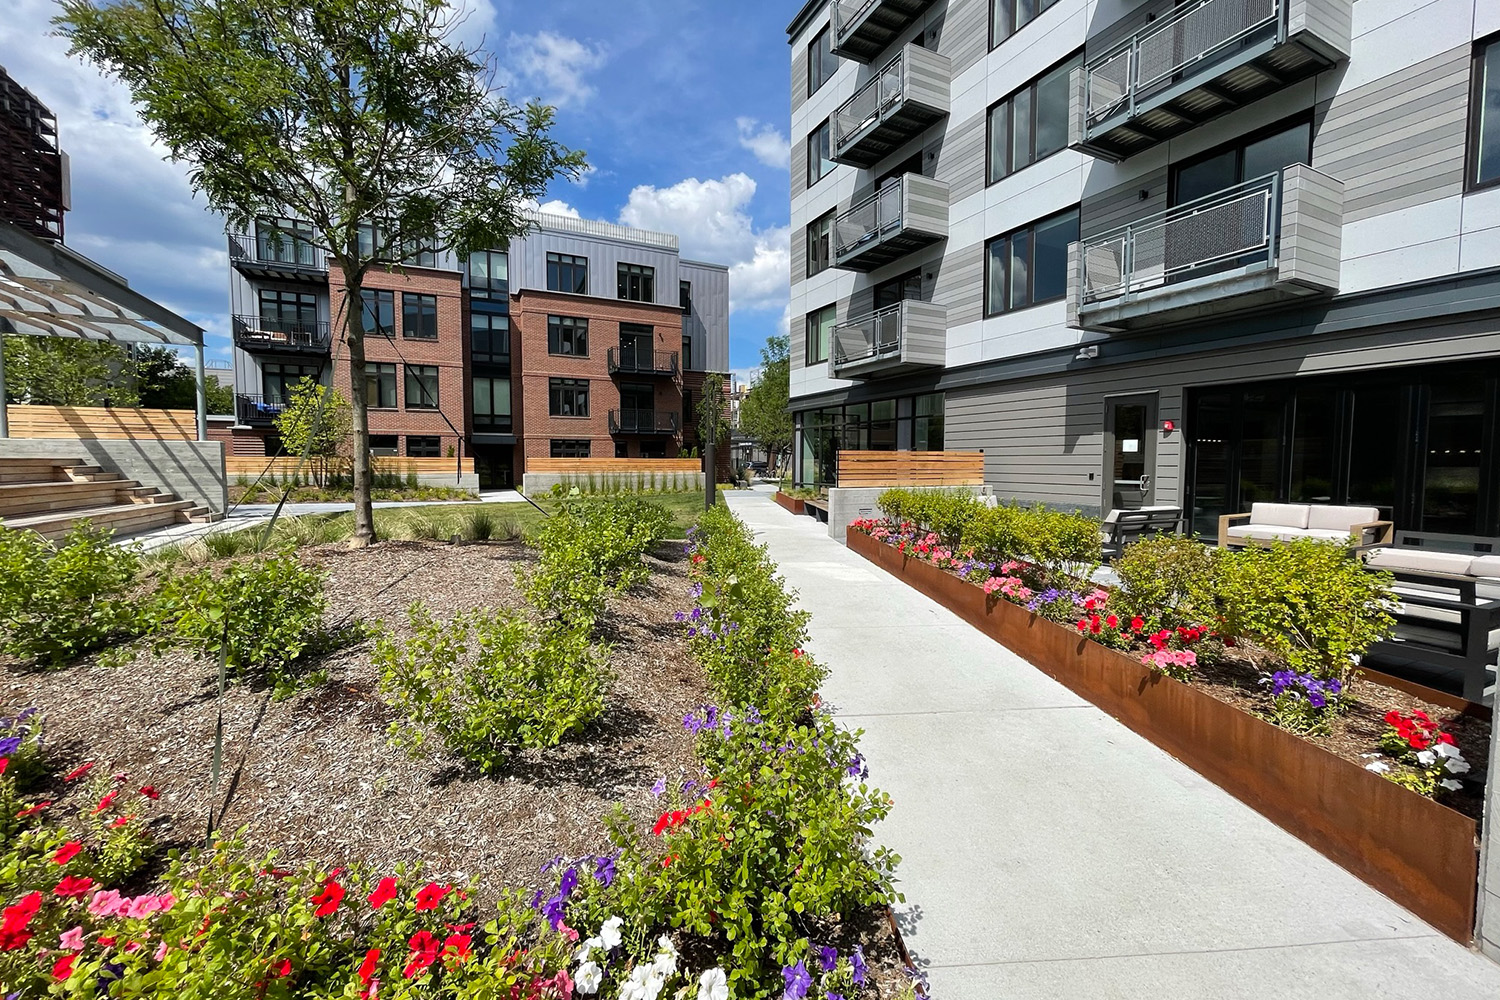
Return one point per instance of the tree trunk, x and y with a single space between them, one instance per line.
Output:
364 509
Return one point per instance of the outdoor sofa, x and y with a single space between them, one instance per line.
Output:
1272 522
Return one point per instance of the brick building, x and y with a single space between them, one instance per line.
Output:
580 339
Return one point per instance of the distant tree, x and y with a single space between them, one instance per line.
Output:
764 414
363 120
53 371
165 381
316 422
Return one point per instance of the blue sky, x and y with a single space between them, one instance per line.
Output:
681 106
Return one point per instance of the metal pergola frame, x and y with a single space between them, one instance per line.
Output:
47 290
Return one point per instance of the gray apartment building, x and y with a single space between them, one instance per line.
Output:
1204 253
582 339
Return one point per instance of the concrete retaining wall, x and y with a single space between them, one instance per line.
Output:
534 483
193 470
849 504
468 482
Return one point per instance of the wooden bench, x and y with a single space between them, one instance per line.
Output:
817 509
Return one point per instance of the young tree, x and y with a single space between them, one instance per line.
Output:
51 371
764 415
316 422
364 120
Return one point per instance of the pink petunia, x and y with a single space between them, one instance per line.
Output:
71 940
105 902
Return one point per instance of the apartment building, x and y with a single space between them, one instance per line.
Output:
581 339
1204 253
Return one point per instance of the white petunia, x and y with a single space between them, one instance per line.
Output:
1451 784
588 977
1457 765
1426 758
1369 756
609 934
1378 766
1448 750
644 984
666 946
587 948
713 985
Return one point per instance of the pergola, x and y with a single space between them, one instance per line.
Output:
47 290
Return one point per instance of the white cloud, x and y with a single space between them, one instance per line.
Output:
558 207
554 67
713 221
769 145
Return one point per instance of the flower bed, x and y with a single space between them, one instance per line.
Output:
1418 851
794 504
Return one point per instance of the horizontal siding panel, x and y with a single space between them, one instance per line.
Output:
799 165
1122 204
965 35
960 157
959 284
799 77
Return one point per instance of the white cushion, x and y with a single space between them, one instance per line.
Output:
1266 532
1328 534
1281 515
1485 566
1343 518
1414 560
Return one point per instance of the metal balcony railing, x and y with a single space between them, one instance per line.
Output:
865 338
1153 57
638 421
259 333
255 411
1231 228
877 216
278 254
863 29
629 361
870 104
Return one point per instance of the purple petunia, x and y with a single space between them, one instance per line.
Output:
554 909
797 981
604 870
828 958
857 961
569 882
659 789
9 745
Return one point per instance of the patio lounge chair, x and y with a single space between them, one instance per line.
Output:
1271 522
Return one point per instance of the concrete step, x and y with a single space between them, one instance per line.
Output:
17 499
125 519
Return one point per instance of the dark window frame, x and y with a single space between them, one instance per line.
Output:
807 352
574 389
381 297
1030 228
422 300
491 289
826 238
377 372
481 324
1238 144
687 353
384 450
635 282
569 330
412 375
814 158
1472 124
1040 7
685 297
570 447
574 266
489 419
424 446
1009 102
822 63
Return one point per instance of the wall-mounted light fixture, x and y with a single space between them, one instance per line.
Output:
1087 353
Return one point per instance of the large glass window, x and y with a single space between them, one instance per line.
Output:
567 273
821 62
1032 123
819 335
568 397
1453 463
1030 265
489 337
378 311
380 385
489 275
278 379
819 154
685 297
1009 16
569 449
285 241
419 316
568 335
423 446
1243 160
421 387
492 404
927 423
819 235
1484 116
637 282
288 312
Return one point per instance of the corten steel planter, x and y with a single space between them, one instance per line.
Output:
791 503
1420 853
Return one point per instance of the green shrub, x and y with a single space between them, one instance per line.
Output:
267 614
592 547
1308 602
487 684
60 602
1168 579
480 525
947 513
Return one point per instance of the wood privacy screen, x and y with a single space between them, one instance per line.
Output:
911 468
96 423
251 466
615 466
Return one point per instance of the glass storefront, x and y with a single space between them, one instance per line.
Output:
911 423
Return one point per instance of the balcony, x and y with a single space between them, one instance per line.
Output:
1203 60
863 29
629 361
902 217
1263 243
279 336
902 100
269 259
254 411
899 339
636 421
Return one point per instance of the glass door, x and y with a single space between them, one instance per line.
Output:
1129 452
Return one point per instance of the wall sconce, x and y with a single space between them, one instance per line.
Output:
1145 193
1087 353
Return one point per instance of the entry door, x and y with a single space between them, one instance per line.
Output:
1129 452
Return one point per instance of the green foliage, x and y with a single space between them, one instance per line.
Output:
316 420
765 414
947 513
164 381
1306 601
50 371
267 614
59 602
1169 579
488 684
591 547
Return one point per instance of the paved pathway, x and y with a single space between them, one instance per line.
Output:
1048 852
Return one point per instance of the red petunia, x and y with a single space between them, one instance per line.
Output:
368 966
63 967
150 792
33 810
384 892
666 862
1083 625
121 821
456 950
1137 623
328 900
430 895
663 823
72 886
79 771
283 970
1418 741
424 951
1112 621
4 763
67 852
14 920
105 803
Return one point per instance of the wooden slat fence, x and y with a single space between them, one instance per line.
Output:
616 466
100 423
911 468
254 465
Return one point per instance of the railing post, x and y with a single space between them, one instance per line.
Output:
1132 72
202 375
1273 219
1127 263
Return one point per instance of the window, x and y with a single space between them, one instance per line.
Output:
821 62
819 235
423 447
685 296
489 339
568 397
1484 116
819 334
421 387
687 354
277 380
385 445
568 335
1030 265
380 386
1256 155
689 415
1009 16
378 310
570 449
285 241
1032 123
418 316
489 275
622 450
898 290
819 154
637 282
927 425
288 312
566 273
492 403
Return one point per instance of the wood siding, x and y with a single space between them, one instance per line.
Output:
576 466
256 465
101 423
910 468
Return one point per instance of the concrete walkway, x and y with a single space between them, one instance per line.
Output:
1048 852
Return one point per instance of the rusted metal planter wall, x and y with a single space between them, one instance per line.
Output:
1421 854
791 503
